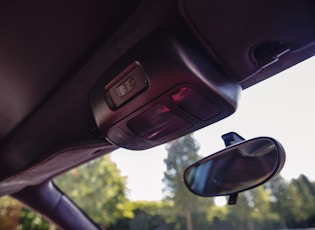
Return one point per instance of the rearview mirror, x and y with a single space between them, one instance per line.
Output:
237 168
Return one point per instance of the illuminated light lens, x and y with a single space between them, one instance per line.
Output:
194 103
157 123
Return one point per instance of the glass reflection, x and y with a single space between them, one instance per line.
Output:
241 167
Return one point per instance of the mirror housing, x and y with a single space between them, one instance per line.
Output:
239 167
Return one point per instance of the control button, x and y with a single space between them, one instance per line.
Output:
117 135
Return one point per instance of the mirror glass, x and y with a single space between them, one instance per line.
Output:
237 168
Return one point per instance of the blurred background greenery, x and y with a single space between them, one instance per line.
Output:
99 189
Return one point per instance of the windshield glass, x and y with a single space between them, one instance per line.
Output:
280 107
145 190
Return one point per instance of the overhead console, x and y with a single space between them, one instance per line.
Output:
160 90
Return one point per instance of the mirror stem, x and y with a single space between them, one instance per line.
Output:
233 199
231 138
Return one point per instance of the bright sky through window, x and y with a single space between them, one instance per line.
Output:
281 107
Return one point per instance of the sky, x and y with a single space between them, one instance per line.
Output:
281 107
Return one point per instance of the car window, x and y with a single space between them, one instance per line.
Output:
15 216
279 107
144 189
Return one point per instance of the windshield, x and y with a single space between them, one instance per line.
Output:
145 190
280 107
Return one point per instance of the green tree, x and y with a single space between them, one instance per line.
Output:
151 215
294 200
238 214
9 213
281 201
253 210
217 216
180 154
99 190
34 221
13 215
306 194
300 201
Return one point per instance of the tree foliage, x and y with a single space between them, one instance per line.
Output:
151 215
9 213
14 216
34 221
99 190
276 205
180 154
